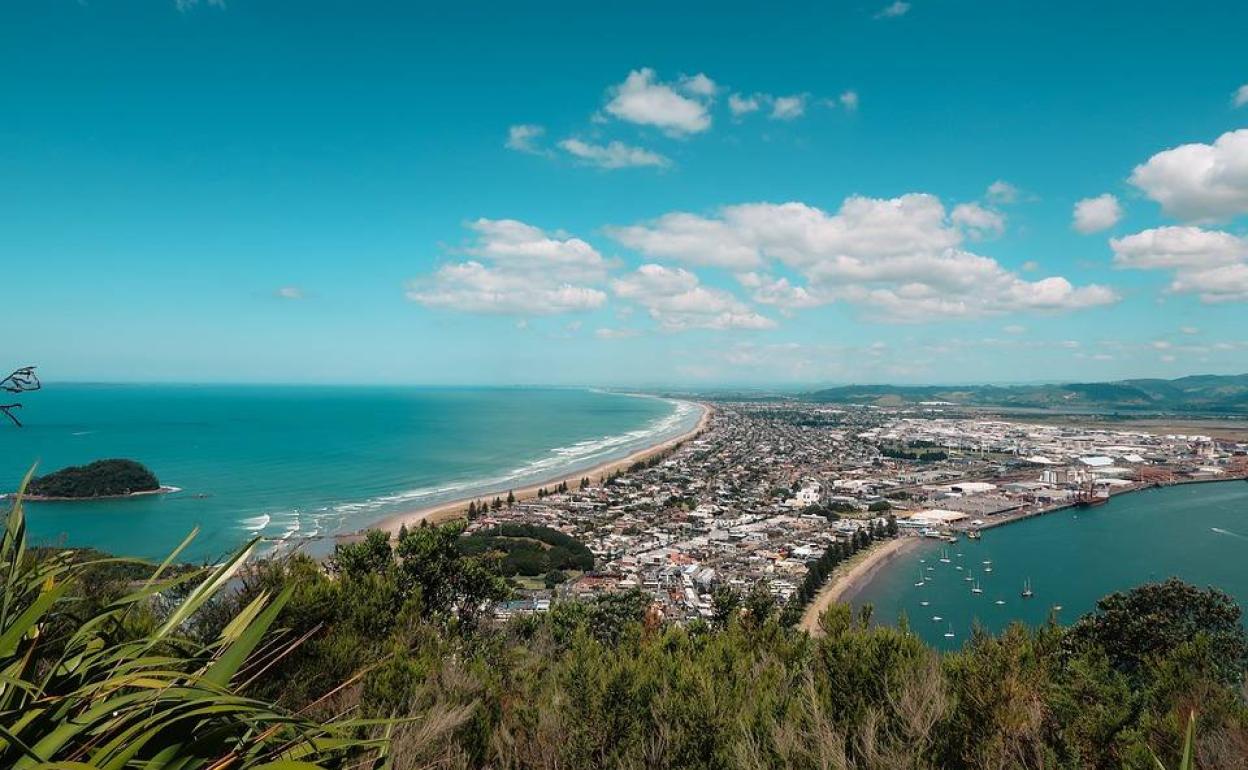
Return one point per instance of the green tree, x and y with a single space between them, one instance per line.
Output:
725 605
372 555
1147 623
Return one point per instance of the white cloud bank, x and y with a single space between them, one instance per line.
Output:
519 270
977 220
1095 214
1199 182
675 299
900 256
1209 263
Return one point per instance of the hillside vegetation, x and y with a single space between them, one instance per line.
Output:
102 478
1199 394
529 549
103 671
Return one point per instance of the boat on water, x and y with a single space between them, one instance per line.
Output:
999 602
1027 592
936 618
949 633
924 603
944 557
1088 497
988 569
976 589
973 534
921 581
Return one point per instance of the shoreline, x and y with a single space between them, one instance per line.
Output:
1010 518
450 510
162 490
849 579
845 586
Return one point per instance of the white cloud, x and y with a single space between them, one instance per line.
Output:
186 5
519 270
675 299
1199 182
893 10
1189 330
1209 263
523 137
643 100
901 255
689 238
769 290
1014 329
1002 193
977 220
741 105
849 100
1095 214
698 85
615 334
1227 283
788 107
613 155
1240 97
1178 247
289 292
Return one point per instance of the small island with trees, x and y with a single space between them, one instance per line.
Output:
102 479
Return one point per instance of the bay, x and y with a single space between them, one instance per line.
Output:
295 462
1071 558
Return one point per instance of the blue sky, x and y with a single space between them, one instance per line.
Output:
702 193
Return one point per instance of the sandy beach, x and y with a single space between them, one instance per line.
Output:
455 509
850 577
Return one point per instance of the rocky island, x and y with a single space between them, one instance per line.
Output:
100 479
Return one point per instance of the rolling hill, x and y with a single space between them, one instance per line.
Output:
1196 393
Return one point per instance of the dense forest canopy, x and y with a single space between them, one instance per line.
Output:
402 633
102 478
529 549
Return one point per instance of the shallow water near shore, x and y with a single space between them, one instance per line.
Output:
291 463
1197 532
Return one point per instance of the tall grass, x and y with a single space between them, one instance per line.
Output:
97 694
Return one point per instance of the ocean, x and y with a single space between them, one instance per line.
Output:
1197 532
299 462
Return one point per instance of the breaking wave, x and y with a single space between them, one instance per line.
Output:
286 527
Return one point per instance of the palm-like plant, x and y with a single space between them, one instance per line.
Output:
106 700
1185 762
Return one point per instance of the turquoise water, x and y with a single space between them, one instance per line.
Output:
296 462
1196 532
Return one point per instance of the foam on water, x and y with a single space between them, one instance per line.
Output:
557 462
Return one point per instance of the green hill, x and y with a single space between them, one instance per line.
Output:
1227 394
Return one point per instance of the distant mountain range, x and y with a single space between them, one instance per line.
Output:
1198 393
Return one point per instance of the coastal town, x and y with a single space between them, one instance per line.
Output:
763 489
